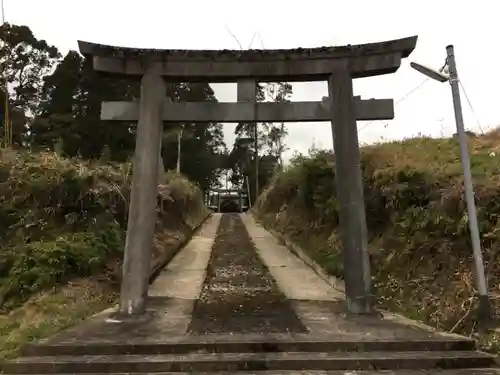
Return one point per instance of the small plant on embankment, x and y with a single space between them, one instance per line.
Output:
416 216
63 225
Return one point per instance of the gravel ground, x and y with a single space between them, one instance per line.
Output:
239 295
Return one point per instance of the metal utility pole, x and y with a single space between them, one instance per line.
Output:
256 161
247 180
244 143
3 11
248 192
179 140
484 311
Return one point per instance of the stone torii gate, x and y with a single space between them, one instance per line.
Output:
337 65
229 191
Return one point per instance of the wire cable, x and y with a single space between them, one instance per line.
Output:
260 39
251 40
400 100
471 107
234 36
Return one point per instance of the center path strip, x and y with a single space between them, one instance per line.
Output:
239 294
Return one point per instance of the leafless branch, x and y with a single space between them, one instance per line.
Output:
234 36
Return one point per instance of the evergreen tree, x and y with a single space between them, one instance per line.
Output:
24 60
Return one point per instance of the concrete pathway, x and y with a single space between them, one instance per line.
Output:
240 296
319 306
295 278
184 275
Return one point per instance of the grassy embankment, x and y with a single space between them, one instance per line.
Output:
63 231
416 215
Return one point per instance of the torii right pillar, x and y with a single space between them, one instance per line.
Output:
352 217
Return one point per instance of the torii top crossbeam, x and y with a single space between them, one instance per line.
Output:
301 64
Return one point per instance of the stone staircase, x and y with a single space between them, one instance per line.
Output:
284 356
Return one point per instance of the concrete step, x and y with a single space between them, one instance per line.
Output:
249 362
313 372
257 346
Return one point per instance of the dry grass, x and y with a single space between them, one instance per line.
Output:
49 312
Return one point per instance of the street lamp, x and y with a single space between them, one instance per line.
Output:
435 75
484 313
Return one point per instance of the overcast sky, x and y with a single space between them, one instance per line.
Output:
199 24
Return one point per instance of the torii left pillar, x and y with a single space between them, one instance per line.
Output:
142 209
